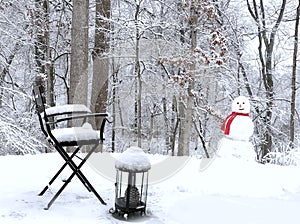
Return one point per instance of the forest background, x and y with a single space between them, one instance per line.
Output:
165 70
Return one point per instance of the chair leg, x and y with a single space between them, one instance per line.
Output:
73 165
79 174
58 173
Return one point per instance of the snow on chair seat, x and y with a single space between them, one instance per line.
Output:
82 135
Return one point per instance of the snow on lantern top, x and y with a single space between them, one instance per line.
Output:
133 160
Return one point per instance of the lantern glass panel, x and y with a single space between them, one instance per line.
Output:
131 190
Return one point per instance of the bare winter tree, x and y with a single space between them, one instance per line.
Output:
200 23
266 37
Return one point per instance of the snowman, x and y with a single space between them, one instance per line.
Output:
238 128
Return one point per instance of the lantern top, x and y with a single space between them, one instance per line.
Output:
133 160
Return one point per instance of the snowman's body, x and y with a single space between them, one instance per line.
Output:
238 128
241 128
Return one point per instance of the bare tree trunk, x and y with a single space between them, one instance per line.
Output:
49 64
186 115
185 126
79 53
42 47
167 128
41 37
200 134
50 84
99 93
100 59
137 68
293 85
151 128
174 125
114 105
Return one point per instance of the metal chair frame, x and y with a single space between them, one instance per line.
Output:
48 123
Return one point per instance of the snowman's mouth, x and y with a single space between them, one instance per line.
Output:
241 109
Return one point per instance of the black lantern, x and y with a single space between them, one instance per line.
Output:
131 185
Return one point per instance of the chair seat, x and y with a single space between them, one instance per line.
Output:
76 135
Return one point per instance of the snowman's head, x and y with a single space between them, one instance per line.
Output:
241 104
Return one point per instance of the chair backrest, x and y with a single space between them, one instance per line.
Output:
39 99
46 122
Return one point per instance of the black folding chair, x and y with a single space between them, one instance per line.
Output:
61 138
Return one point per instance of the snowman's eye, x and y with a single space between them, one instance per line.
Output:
238 103
243 102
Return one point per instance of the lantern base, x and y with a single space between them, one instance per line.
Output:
123 209
129 207
130 217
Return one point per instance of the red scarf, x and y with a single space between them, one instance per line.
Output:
228 120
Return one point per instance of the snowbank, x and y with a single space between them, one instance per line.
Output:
228 191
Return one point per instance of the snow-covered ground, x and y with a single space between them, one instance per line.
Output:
228 191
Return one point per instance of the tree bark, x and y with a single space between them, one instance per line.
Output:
79 53
99 93
186 115
44 65
114 108
137 71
